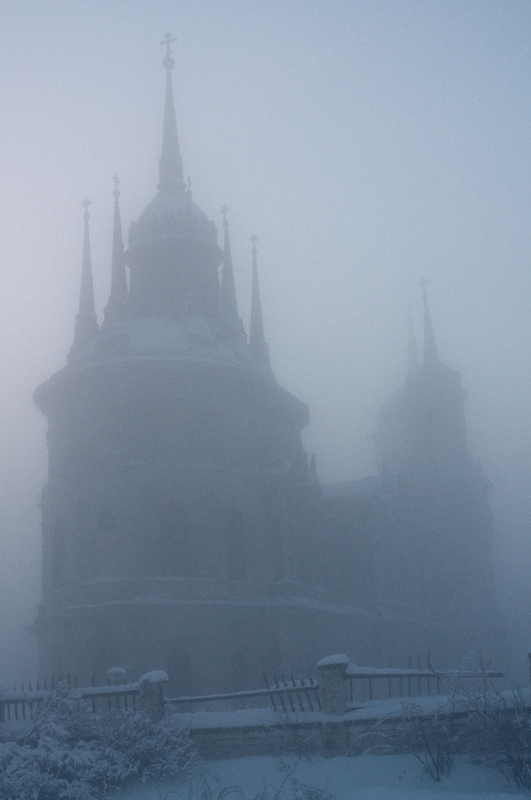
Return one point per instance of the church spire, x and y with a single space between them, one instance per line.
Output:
170 163
118 295
86 326
257 341
412 352
229 303
430 348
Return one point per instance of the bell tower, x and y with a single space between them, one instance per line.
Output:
434 508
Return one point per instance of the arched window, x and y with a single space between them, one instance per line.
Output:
174 541
58 555
236 538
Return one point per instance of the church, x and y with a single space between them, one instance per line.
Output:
185 528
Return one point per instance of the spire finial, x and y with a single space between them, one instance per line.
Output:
118 294
430 347
257 342
86 203
86 326
170 163
224 210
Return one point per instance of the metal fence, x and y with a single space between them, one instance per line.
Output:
370 683
287 695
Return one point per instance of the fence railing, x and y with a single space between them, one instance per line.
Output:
341 686
293 695
296 695
410 682
20 705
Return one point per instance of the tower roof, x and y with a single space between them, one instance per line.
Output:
173 252
171 212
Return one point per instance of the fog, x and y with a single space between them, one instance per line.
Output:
367 144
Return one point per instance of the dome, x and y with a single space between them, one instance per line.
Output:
172 214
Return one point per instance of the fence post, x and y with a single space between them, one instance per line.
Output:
333 683
151 697
529 659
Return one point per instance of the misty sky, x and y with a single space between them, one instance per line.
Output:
368 144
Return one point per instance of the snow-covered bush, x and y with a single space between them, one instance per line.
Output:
68 753
499 733
430 737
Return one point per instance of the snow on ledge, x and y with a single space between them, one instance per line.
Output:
155 676
330 661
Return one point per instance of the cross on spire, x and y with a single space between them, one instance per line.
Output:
168 39
168 62
253 239
225 210
86 203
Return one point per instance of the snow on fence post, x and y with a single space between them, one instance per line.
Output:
151 697
116 676
333 682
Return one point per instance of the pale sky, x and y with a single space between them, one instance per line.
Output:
367 144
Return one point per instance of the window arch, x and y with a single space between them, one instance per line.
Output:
174 541
236 539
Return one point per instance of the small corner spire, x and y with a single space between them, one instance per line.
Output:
86 326
170 163
430 347
412 351
228 300
257 342
118 295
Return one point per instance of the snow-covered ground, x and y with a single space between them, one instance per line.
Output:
367 777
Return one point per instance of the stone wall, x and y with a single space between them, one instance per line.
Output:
331 738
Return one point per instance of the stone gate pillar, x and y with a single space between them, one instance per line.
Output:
332 677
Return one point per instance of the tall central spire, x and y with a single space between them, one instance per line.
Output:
170 163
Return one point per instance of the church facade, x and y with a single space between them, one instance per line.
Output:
184 527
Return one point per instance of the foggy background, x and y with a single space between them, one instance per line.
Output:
368 144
